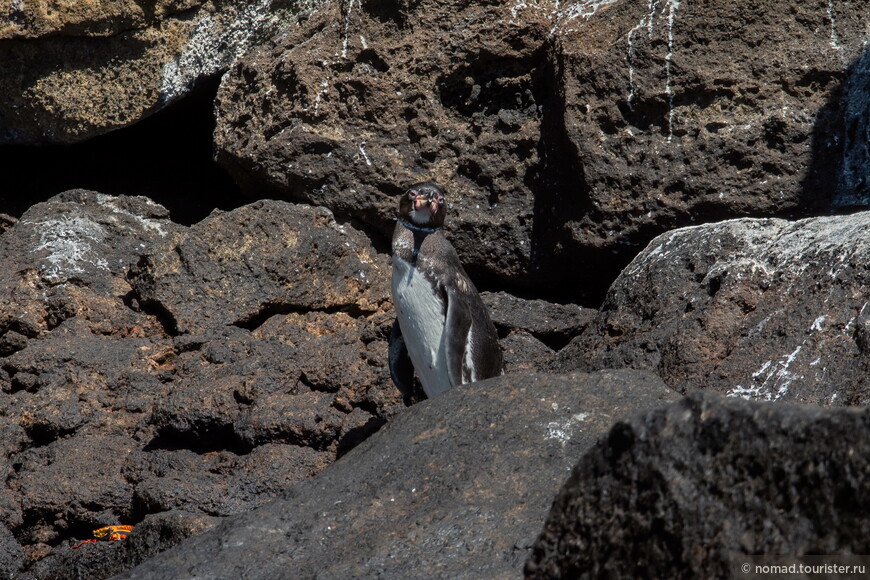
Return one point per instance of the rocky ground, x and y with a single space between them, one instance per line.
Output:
658 199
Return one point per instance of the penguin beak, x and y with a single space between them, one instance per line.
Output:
425 202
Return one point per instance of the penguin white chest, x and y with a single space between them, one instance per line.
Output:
420 311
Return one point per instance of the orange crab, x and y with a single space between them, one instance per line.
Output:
108 533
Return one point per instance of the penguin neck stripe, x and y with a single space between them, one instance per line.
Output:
415 227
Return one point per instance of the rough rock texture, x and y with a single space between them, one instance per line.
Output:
367 98
680 112
168 376
533 330
554 324
677 492
249 353
105 559
66 260
241 267
563 134
73 70
761 309
454 487
853 186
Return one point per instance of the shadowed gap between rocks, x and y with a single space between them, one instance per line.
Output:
269 310
166 157
561 195
838 179
200 441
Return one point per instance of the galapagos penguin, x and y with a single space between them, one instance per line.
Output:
442 330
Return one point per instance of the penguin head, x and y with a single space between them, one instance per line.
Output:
423 205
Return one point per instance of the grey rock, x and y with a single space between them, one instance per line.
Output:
552 323
104 559
11 554
68 257
524 353
759 309
680 491
456 486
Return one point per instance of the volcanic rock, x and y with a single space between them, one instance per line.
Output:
239 268
76 70
680 491
105 559
532 331
567 135
67 258
223 375
761 309
365 99
554 324
456 486
684 112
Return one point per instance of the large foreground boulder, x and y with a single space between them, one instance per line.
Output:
455 487
760 309
678 492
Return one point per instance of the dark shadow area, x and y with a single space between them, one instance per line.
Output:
562 202
838 179
201 440
166 157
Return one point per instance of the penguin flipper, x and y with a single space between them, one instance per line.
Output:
401 367
456 329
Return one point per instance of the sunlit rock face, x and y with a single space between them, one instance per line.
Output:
74 70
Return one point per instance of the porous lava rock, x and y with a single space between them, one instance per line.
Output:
764 309
150 368
456 486
67 259
682 491
678 113
531 331
74 70
564 134
240 267
364 99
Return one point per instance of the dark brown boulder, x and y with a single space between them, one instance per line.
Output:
456 486
67 258
760 309
677 113
239 268
566 136
113 412
75 71
682 491
365 99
